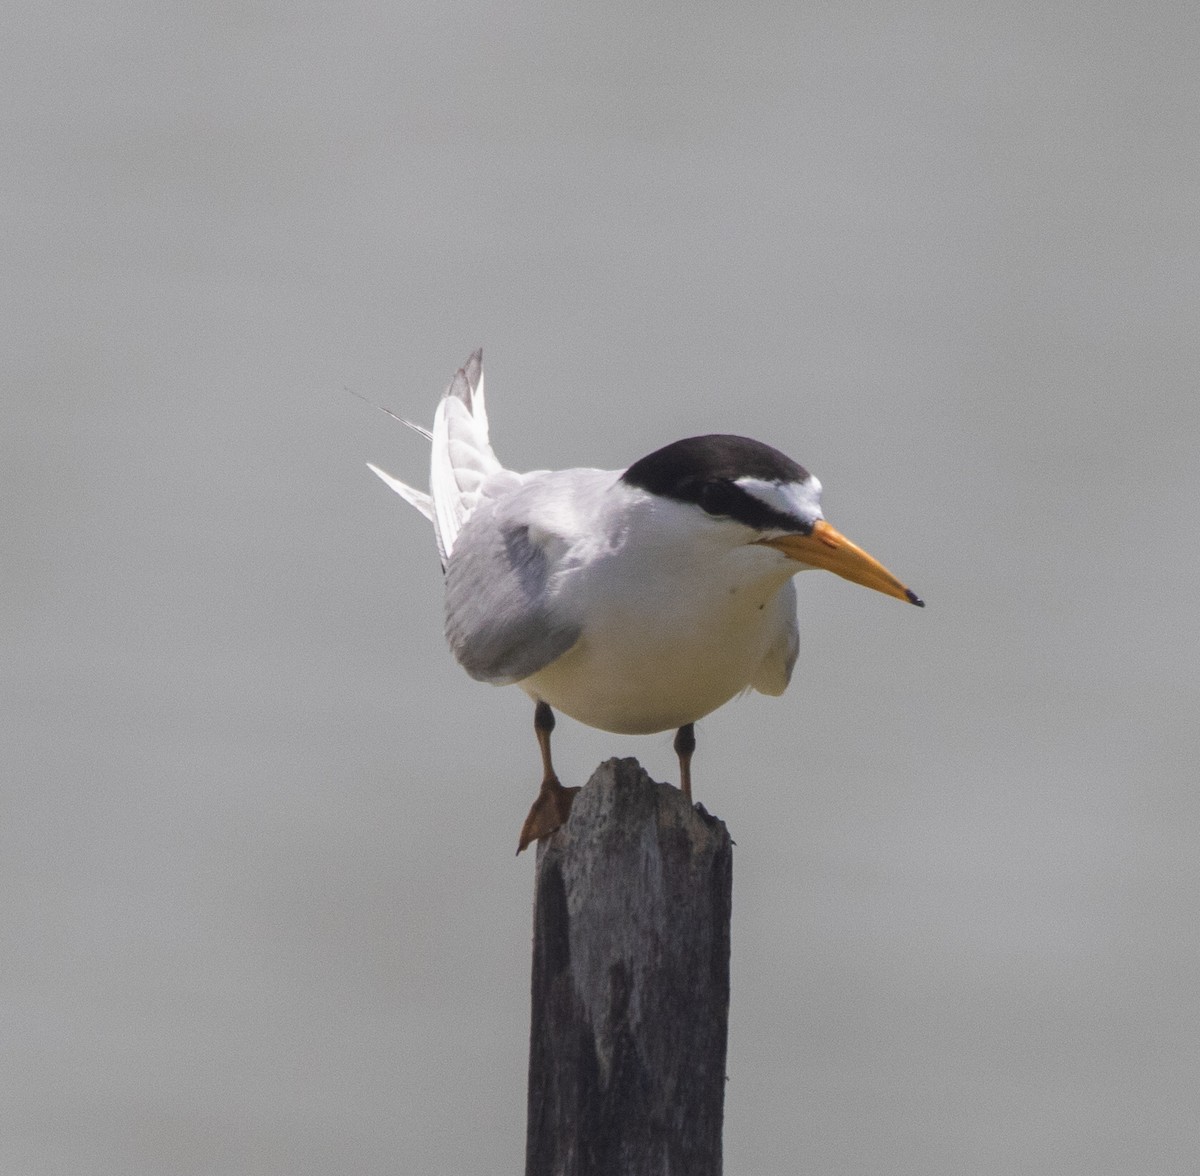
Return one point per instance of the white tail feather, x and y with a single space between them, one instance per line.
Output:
412 496
461 460
462 455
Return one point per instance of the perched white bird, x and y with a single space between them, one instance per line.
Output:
634 601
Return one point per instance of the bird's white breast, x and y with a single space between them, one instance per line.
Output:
676 619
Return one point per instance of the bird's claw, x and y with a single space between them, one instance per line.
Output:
548 814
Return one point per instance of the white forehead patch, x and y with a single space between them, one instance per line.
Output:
801 500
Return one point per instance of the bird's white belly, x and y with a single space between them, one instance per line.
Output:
636 672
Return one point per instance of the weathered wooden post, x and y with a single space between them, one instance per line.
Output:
630 987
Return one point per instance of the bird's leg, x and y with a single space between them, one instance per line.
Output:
685 744
553 805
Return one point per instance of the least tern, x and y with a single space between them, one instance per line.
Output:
635 600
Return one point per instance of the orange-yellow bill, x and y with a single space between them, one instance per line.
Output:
828 548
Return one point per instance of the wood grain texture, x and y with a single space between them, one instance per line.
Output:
630 987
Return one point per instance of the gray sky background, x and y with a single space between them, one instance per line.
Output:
260 912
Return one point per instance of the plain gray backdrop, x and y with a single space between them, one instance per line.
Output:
259 909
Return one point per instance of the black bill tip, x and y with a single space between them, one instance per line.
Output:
913 598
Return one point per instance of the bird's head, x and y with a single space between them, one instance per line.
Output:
774 499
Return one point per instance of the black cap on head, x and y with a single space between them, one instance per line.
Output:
705 471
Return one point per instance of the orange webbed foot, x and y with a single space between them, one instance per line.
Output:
549 812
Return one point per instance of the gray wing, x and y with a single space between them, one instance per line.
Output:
501 623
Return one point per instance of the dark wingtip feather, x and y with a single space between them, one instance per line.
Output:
473 368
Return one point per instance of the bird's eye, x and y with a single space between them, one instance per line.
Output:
716 498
